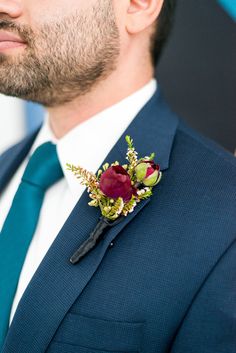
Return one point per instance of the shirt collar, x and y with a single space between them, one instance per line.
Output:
89 142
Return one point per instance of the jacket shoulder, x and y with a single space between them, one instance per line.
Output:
22 145
203 179
204 146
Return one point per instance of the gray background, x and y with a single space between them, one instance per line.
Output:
197 70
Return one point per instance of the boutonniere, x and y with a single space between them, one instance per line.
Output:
116 190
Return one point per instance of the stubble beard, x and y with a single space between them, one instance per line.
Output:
64 60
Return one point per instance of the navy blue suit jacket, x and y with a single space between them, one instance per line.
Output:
169 282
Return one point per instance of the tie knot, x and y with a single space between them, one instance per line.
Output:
43 168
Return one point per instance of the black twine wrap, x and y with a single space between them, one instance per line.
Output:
95 236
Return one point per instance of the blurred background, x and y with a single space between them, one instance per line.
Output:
197 73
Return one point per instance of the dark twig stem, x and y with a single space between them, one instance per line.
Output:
93 239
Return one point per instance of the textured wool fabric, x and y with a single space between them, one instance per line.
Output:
61 198
168 285
42 171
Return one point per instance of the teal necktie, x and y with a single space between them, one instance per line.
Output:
42 171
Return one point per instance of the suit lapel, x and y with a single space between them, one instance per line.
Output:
57 283
12 158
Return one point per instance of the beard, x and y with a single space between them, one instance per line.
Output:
64 59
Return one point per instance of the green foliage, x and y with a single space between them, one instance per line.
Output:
146 194
129 141
129 206
111 209
105 166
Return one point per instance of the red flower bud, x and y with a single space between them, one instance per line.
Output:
148 173
115 182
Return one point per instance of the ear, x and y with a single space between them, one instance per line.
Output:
141 14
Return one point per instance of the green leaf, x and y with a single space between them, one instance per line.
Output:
129 141
152 156
105 166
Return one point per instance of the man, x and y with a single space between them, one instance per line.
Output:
163 279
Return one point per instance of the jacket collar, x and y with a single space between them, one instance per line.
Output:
57 283
12 158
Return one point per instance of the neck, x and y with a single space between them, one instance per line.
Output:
119 85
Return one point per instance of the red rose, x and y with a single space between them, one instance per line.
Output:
115 182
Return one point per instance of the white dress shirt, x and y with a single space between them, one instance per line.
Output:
86 145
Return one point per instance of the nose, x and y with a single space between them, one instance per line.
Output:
11 8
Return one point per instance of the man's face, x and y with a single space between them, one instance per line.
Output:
70 46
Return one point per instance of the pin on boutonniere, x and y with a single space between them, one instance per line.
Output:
116 189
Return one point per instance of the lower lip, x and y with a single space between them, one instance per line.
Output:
10 45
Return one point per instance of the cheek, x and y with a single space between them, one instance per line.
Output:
37 13
120 10
120 14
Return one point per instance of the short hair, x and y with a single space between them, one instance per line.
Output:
163 26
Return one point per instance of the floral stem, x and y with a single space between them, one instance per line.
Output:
94 237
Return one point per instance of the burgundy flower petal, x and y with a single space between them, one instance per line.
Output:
149 171
152 167
115 182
